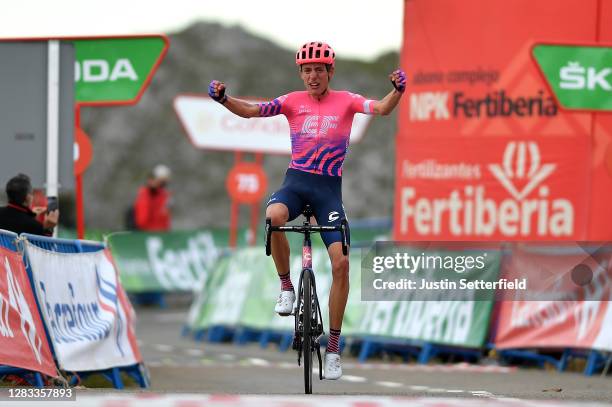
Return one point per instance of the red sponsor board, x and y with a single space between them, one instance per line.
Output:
475 188
484 85
22 336
576 314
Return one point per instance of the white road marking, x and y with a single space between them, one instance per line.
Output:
482 393
353 379
390 385
258 362
202 400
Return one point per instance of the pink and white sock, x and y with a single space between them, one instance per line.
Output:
333 342
286 282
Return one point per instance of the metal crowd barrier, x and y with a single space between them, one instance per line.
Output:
13 242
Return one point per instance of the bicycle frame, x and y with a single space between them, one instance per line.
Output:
308 317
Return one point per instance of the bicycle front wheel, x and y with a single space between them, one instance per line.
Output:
307 344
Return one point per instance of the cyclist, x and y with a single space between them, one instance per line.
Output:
320 121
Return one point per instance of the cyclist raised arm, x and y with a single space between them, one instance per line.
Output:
216 90
387 104
320 121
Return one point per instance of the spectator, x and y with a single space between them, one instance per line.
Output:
18 216
151 209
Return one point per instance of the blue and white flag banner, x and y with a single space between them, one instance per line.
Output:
84 309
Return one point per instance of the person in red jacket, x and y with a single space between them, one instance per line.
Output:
151 208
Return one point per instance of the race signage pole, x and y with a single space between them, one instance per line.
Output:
246 184
53 75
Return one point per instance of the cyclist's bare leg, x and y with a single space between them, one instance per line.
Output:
279 213
338 294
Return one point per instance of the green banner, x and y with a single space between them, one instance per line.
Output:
115 69
446 314
171 261
244 287
248 279
176 261
580 76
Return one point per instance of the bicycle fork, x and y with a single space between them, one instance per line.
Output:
316 318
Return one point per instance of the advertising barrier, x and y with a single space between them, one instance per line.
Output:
181 260
244 287
425 302
580 317
89 319
22 336
485 104
171 261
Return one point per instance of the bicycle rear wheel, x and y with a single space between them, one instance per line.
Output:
307 321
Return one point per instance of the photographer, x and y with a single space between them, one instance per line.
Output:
18 216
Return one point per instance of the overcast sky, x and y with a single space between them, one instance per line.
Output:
354 28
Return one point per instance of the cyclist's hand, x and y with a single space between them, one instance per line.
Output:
398 79
216 90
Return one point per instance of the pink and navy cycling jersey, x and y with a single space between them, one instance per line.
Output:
320 129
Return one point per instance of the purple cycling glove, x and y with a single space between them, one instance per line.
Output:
398 79
216 92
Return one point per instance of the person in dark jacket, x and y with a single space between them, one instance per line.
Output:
18 216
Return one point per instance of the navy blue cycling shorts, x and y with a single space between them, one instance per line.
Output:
322 192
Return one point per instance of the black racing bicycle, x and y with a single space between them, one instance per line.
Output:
307 312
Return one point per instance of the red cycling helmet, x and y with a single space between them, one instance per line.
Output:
315 52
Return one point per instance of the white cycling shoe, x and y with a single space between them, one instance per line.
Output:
333 366
284 304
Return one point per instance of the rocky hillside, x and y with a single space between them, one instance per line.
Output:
129 141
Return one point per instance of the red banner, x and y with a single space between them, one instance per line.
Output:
484 85
22 336
579 314
501 188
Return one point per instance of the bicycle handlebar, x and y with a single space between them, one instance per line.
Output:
304 229
342 228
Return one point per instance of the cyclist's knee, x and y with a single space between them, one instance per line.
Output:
278 213
340 267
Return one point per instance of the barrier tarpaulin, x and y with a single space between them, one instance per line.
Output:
22 336
569 315
87 315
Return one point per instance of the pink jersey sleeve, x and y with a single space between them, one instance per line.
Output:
273 108
360 104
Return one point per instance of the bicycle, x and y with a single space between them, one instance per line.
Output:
308 331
